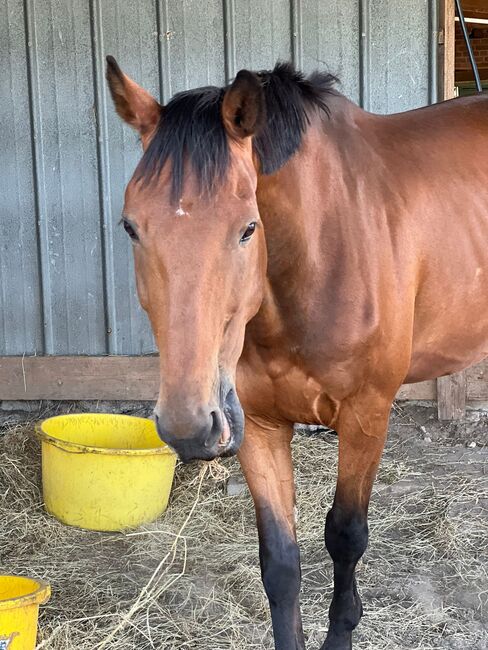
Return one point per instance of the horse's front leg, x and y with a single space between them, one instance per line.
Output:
265 458
362 434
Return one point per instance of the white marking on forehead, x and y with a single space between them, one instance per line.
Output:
180 212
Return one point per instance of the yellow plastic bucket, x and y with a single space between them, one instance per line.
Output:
19 607
104 471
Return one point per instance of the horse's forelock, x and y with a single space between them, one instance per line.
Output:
191 128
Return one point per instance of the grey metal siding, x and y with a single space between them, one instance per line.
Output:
66 277
262 33
399 55
63 123
132 37
20 291
329 37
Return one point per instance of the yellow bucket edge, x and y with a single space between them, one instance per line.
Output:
78 448
38 597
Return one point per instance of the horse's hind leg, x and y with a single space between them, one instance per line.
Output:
362 433
265 457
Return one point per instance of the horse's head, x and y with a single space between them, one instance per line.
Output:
199 249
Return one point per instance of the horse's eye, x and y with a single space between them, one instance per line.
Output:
130 230
248 233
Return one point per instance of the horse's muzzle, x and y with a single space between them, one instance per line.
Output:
208 432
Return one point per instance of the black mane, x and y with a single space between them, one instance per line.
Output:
191 127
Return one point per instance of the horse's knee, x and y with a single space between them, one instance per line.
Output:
280 570
346 536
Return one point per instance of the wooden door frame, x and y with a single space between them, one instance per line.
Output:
451 390
446 53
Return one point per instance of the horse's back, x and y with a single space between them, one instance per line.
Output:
444 188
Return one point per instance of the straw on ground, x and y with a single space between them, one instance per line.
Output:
191 580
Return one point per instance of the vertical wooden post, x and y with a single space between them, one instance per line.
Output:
451 397
451 390
446 55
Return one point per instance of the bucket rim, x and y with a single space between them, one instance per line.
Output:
37 597
79 448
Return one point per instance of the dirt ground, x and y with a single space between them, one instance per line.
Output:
423 579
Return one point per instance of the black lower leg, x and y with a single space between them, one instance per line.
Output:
346 539
280 569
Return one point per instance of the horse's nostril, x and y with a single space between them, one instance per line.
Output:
215 429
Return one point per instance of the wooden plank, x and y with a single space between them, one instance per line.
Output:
451 390
451 397
477 382
446 55
106 378
137 378
79 378
475 7
422 391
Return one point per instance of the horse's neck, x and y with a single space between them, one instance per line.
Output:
308 208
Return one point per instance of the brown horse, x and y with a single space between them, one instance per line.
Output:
315 256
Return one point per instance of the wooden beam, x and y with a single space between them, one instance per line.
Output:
106 378
446 55
477 382
451 391
137 378
79 378
451 397
475 7
422 391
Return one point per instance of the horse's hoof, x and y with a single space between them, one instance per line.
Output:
338 641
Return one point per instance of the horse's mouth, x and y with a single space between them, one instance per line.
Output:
231 436
221 436
227 436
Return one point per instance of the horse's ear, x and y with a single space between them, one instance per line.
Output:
134 104
243 108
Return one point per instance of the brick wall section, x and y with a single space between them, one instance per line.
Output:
480 49
479 42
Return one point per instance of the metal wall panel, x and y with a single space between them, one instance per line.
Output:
399 48
261 34
20 295
132 37
66 176
66 276
192 34
329 39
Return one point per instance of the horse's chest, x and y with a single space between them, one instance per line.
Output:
288 388
297 395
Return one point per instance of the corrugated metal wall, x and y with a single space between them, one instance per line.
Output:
66 277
